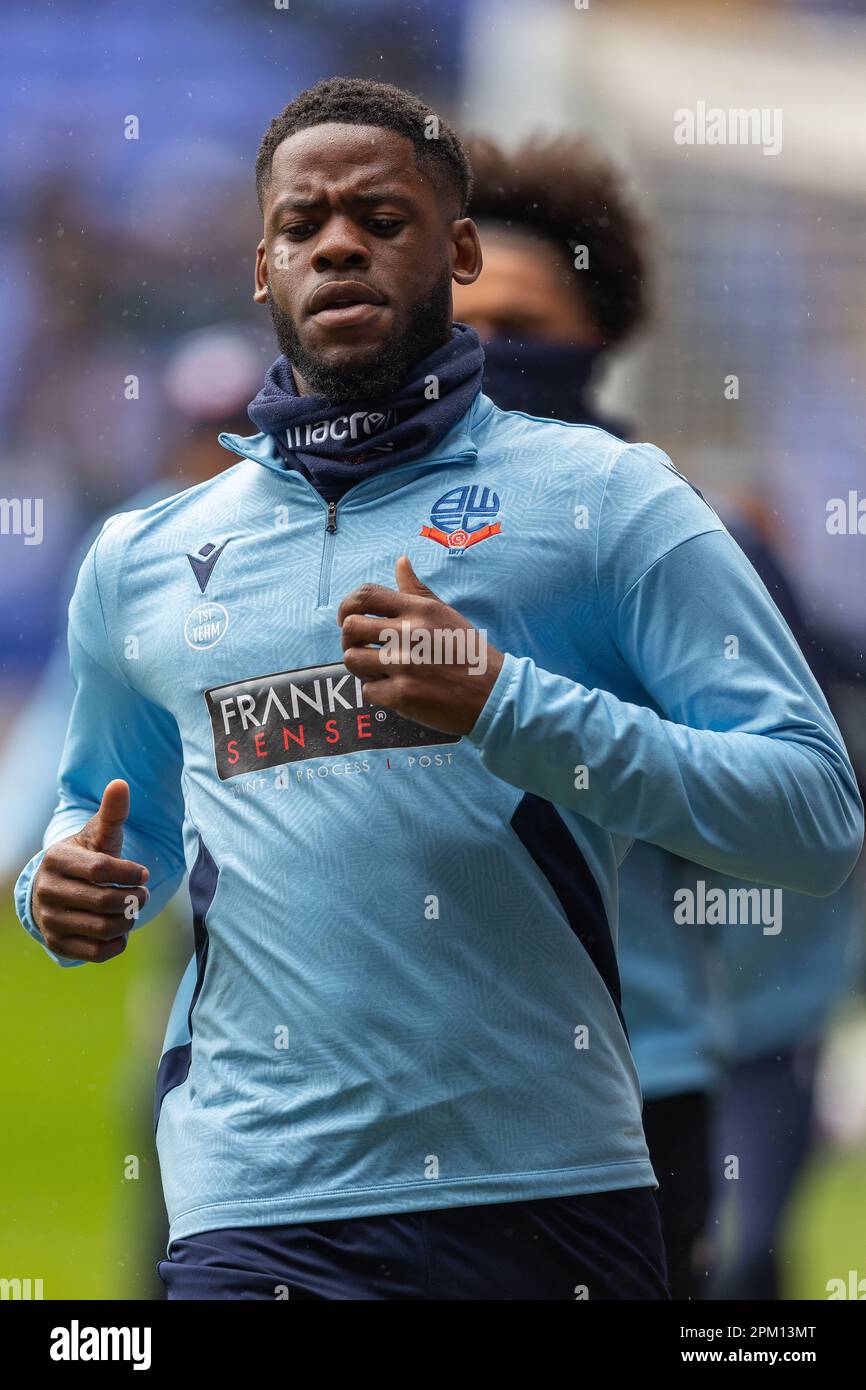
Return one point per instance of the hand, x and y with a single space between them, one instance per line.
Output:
432 665
77 914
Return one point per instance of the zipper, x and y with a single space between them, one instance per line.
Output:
327 556
329 542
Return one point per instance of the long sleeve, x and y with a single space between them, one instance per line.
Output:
113 732
30 757
734 760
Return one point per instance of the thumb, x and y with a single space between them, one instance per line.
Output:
408 581
104 831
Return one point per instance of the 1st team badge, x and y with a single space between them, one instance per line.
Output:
463 517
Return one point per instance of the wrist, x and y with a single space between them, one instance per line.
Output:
496 680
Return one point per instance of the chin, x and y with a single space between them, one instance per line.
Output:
343 352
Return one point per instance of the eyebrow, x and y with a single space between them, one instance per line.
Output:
368 199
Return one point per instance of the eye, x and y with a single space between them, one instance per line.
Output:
385 225
516 327
298 230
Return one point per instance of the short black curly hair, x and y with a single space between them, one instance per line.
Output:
359 101
561 189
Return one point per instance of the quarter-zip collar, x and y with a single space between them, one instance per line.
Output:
459 444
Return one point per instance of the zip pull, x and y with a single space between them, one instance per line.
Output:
331 524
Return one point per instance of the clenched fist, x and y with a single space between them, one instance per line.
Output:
74 903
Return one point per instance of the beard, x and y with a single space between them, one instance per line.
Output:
387 365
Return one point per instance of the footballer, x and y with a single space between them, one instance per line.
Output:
396 1066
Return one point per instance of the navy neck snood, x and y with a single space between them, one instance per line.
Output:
546 379
336 446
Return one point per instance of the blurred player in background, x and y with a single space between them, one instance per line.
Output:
780 991
563 285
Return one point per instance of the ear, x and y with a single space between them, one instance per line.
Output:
260 292
466 260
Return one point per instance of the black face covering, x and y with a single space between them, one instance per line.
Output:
546 379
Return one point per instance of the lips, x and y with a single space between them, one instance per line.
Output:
342 295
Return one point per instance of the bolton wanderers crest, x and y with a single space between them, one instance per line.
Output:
463 517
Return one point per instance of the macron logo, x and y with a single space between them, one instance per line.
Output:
203 563
76 1343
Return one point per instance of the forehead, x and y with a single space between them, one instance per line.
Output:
522 261
341 158
508 243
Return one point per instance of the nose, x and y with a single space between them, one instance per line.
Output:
340 245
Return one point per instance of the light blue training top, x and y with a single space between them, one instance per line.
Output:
405 992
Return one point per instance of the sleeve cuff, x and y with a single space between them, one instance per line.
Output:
24 907
480 729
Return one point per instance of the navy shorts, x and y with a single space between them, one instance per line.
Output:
596 1245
